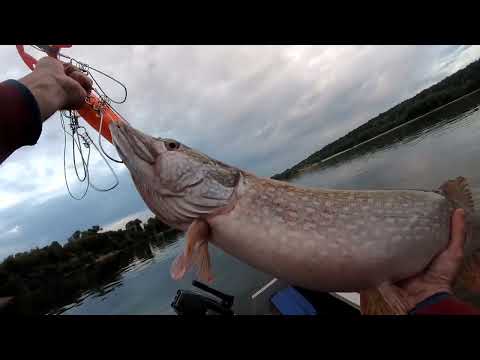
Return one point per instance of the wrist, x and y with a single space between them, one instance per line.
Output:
48 93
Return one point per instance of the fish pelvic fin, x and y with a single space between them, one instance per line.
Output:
195 253
203 263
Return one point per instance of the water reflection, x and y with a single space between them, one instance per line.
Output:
125 265
410 134
423 159
144 286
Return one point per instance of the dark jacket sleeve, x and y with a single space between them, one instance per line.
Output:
444 304
20 120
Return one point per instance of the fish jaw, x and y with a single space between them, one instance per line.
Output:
134 145
177 183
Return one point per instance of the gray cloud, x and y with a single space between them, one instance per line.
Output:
56 219
262 108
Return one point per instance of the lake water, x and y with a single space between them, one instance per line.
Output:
423 159
145 287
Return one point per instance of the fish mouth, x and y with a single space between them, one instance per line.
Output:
130 142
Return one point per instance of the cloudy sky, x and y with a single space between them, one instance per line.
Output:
261 108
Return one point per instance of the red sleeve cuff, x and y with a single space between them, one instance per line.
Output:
20 119
444 305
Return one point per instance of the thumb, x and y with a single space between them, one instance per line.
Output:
447 264
455 248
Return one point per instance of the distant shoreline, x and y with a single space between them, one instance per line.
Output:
43 280
458 92
384 139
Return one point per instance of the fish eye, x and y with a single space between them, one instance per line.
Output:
172 145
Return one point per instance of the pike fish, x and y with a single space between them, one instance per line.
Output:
321 239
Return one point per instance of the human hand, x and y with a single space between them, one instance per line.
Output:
56 85
442 271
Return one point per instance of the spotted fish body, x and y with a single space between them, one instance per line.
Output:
332 240
322 239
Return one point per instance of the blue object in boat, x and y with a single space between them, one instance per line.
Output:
290 302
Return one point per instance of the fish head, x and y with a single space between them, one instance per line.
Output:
178 184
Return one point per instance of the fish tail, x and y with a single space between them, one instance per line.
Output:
383 300
458 192
461 195
373 303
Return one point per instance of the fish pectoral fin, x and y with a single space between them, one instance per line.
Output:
195 252
469 275
179 267
202 262
383 300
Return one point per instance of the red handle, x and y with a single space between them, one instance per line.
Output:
27 58
52 50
